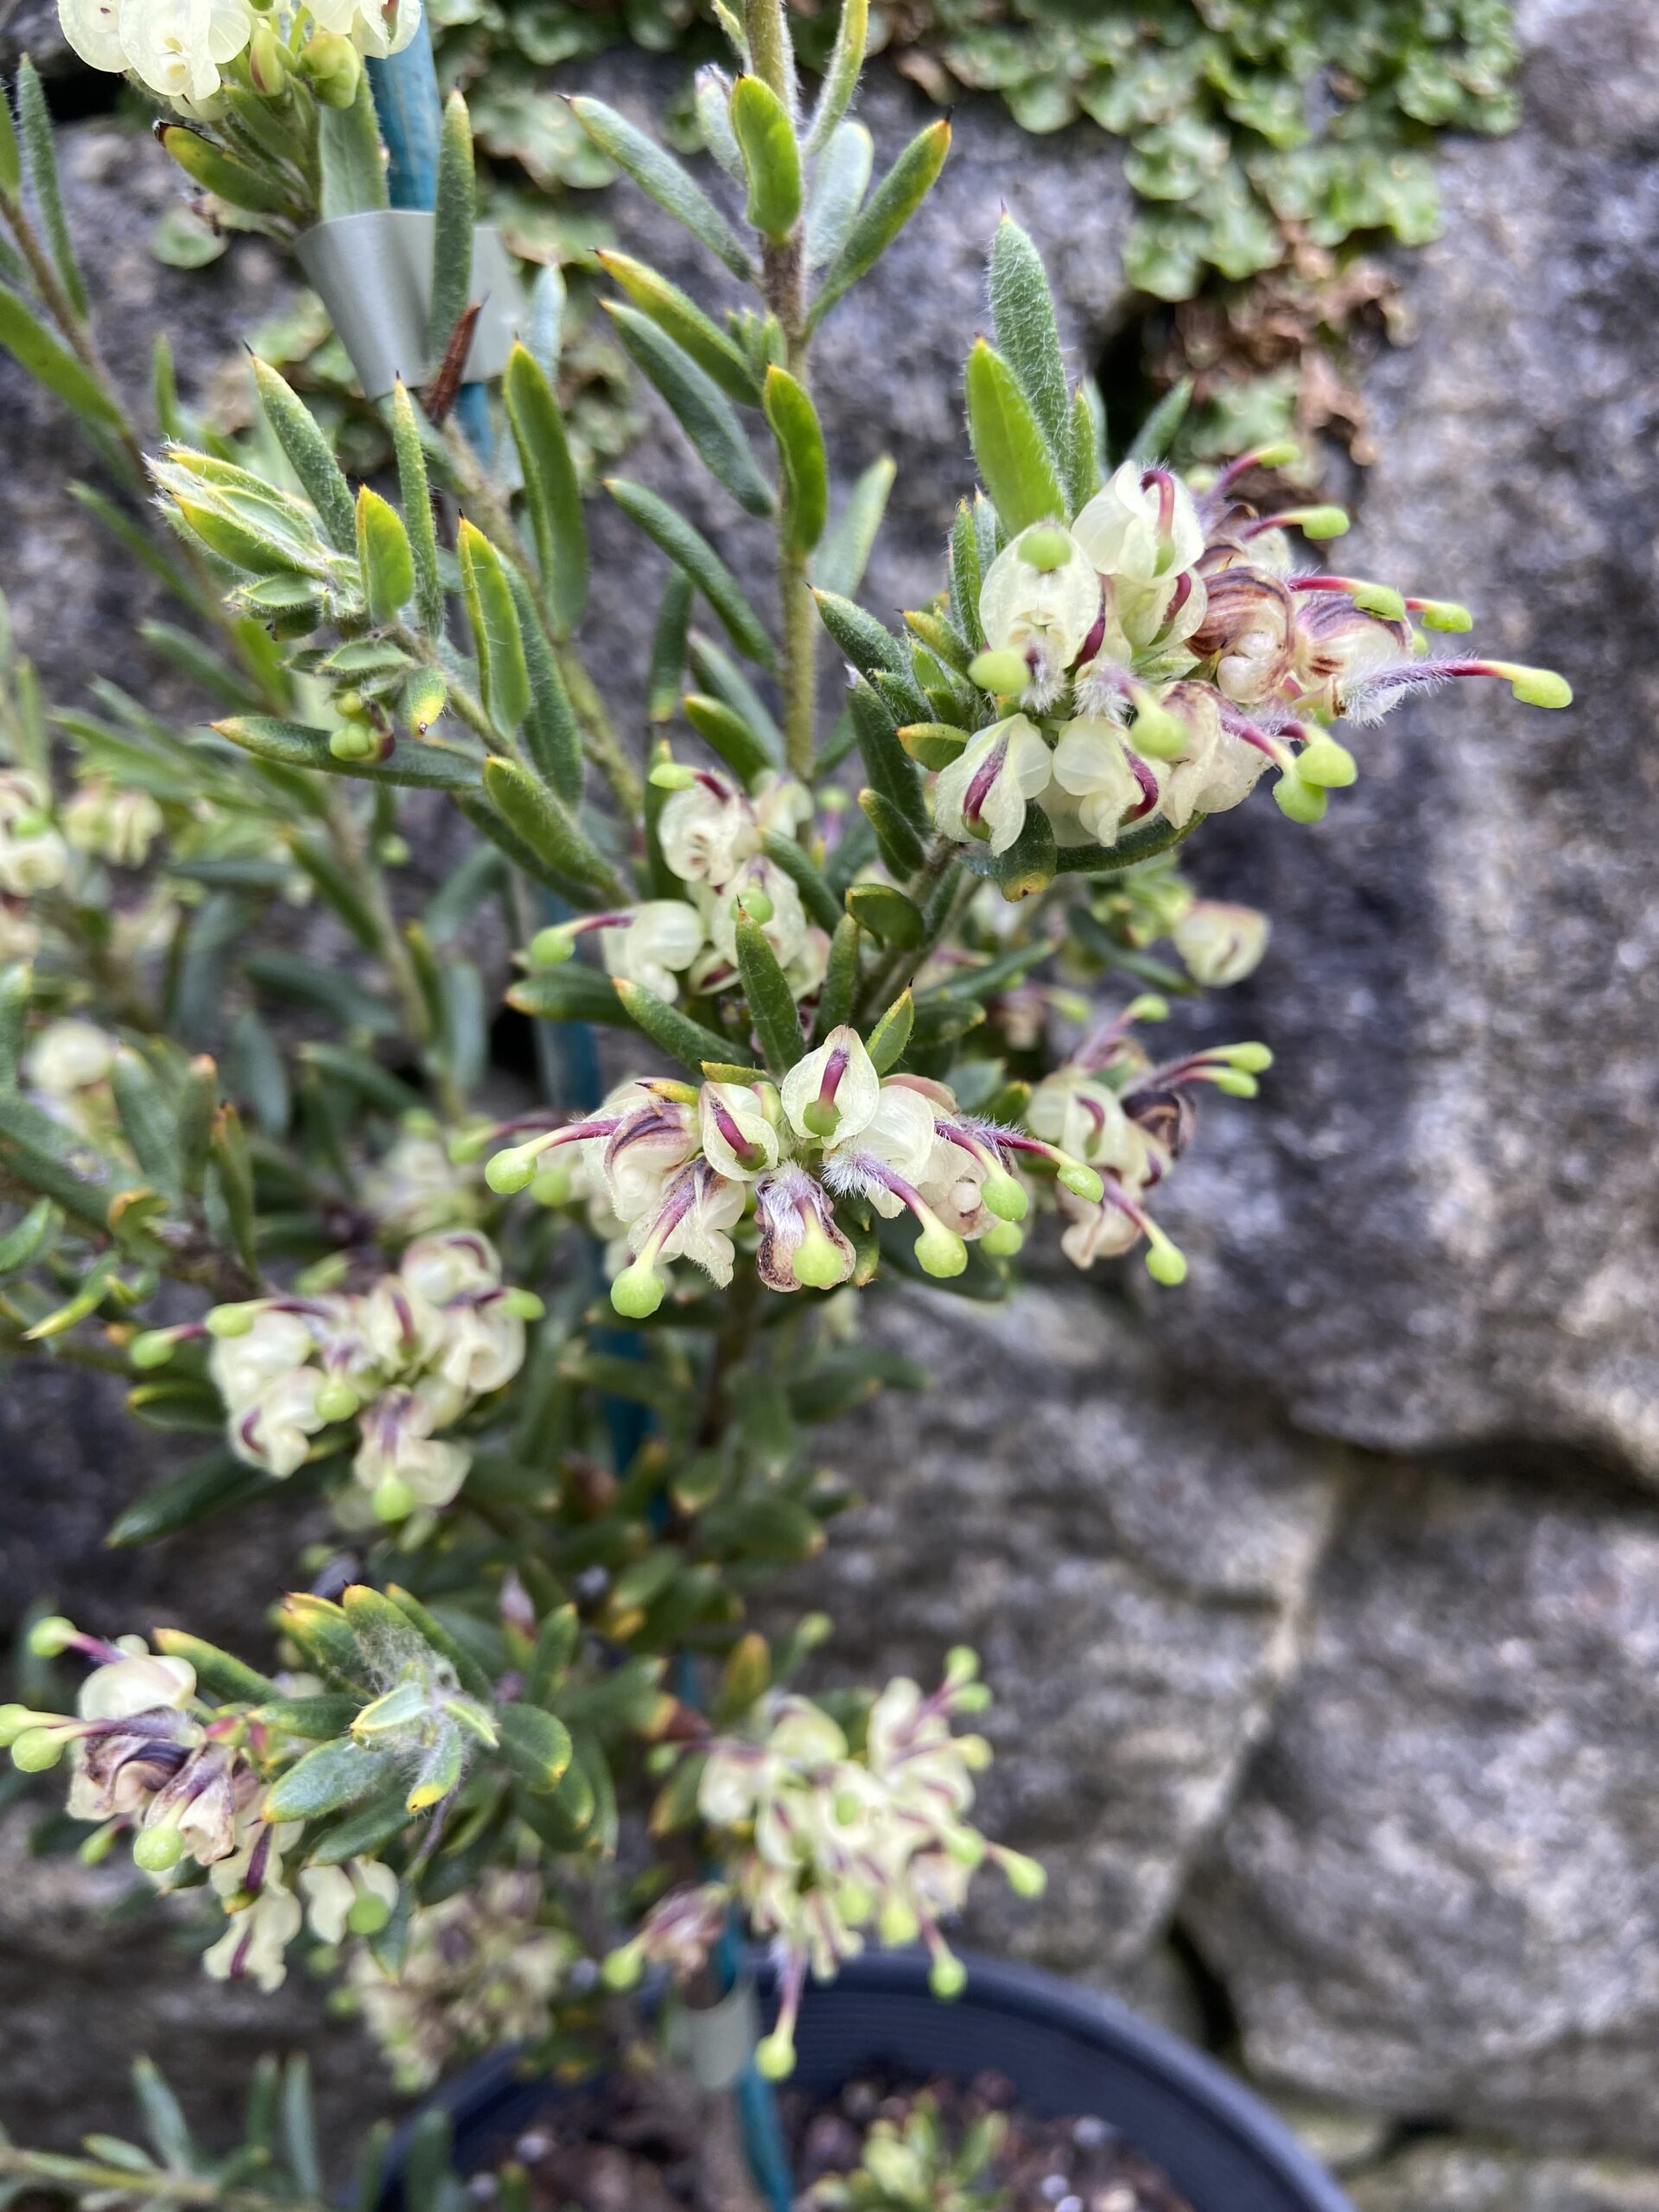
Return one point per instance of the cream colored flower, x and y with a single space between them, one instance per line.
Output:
662 937
984 793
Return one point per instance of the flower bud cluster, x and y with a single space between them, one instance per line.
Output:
480 1971
823 1843
181 48
404 1361
112 824
1155 659
32 858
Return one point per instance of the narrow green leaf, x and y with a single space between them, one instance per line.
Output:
218 1673
414 490
795 425
890 206
932 745
840 75
32 1238
548 830
299 2144
772 1003
163 2116
886 764
684 543
728 735
363 1833
1083 460
147 1119
385 556
551 491
295 745
457 211
718 673
545 327
572 992
867 643
502 673
1152 440
841 980
552 737
674 312
819 900
35 120
318 1720
534 1743
668 648
12 165
659 175
1015 464
309 454
891 1034
327 1780
681 1038
208 1486
699 406
888 914
34 349
771 159
1022 310
965 575
348 145
839 182
896 839
839 563
711 98
521 853
232 182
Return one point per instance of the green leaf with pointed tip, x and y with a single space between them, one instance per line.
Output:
659 175
502 673
452 229
771 159
1015 465
534 1743
839 563
415 491
571 992
895 837
327 1780
209 1485
842 74
698 405
891 1034
680 1037
1084 458
34 121
384 556
148 1119
1152 440
219 1674
666 679
33 347
730 737
685 544
772 1003
795 425
551 490
890 206
887 915
886 764
296 745
309 454
841 179
819 900
230 180
675 313
536 817
551 738
718 674
1022 310
362 1833
841 980
965 575
869 645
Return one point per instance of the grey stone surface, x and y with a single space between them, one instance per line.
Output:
1435 2177
1129 1560
1438 1896
1442 1227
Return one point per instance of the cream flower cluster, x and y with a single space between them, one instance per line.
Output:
32 858
179 48
1157 656
711 834
823 1843
405 1360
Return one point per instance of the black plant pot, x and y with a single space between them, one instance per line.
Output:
1064 2050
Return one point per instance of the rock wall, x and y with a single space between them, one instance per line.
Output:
1322 1596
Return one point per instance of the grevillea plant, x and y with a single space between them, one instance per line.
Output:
879 988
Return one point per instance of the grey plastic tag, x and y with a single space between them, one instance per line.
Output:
374 272
720 2039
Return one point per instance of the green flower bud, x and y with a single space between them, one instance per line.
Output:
15 1721
774 2057
1155 732
1082 1181
1004 673
551 1184
153 1348
1002 1241
525 1304
961 1666
1025 1876
336 1399
36 1750
393 1499
1534 687
97 1848
1444 615
1045 548
947 1977
1327 763
332 66
267 72
1380 599
1235 1084
1301 802
368 1915
1005 1195
157 1850
637 1290
755 903
622 1968
974 1697
1165 1264
1285 454
672 776
1322 522
940 1252
511 1171
1255 1059
352 741
551 947
392 852
817 1263
52 1636
897 1924
822 1117
1151 1006
230 1320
